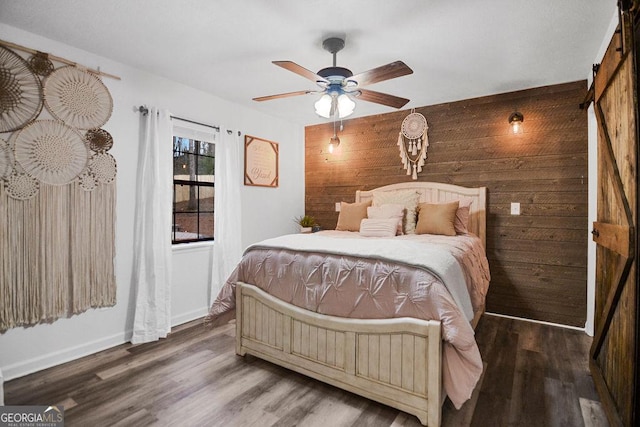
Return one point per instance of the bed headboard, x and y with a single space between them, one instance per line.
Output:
439 192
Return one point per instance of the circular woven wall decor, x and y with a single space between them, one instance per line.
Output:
6 159
414 126
103 167
51 152
21 186
99 140
40 64
20 92
78 98
87 181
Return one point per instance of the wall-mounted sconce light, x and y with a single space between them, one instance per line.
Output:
515 120
335 141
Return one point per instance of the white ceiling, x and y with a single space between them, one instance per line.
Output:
457 49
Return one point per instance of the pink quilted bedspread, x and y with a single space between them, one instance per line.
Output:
352 286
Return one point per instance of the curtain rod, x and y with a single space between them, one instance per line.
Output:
196 123
145 110
56 58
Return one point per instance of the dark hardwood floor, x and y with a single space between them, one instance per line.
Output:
535 375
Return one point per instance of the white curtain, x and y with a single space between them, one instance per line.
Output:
152 229
227 247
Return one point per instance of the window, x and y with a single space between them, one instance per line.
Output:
193 190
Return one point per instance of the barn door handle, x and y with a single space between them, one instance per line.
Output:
595 232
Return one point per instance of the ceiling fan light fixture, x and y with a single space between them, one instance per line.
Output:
343 103
350 84
323 106
345 106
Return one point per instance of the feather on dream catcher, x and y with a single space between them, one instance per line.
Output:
413 143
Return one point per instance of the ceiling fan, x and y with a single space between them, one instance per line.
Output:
338 84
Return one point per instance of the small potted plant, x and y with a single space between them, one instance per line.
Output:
306 223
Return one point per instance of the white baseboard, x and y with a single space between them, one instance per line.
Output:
35 364
188 317
559 325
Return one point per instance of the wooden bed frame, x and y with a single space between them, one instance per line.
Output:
394 361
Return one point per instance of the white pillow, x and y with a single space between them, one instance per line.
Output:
378 227
407 198
387 212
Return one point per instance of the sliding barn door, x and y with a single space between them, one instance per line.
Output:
613 356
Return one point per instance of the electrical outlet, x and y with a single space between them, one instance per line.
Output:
515 208
337 206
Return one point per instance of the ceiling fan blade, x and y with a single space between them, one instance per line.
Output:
382 73
284 95
382 98
301 71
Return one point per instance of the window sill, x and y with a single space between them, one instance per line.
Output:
194 246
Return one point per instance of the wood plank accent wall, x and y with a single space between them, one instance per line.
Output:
538 260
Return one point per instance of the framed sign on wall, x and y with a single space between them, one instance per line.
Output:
260 162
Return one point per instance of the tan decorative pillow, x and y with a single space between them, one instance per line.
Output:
351 214
437 218
407 198
462 215
386 212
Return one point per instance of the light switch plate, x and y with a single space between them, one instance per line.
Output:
337 206
515 208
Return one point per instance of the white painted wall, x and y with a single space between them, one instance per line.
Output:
593 182
267 212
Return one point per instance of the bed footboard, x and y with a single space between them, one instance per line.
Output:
396 362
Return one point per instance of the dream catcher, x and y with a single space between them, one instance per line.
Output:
20 92
413 143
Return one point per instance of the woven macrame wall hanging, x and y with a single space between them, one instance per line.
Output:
57 191
413 143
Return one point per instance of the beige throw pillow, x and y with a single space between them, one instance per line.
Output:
437 218
351 214
462 215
